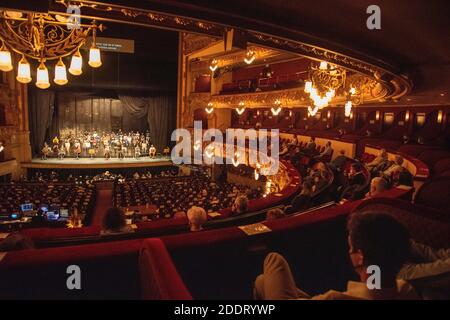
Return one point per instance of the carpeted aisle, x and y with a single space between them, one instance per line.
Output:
103 202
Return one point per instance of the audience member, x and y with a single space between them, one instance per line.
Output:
377 186
197 217
114 222
274 214
16 241
240 205
303 200
374 239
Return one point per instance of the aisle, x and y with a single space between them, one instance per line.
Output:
102 203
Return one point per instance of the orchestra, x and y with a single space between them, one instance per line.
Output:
90 144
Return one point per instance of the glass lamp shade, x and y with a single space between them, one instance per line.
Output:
60 73
42 81
76 64
95 60
308 86
23 71
5 60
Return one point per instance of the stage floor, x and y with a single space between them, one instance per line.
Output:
97 163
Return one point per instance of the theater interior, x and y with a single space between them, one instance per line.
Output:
351 100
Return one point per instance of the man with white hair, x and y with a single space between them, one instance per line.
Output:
197 217
377 186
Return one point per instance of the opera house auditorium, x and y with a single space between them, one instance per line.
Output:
224 150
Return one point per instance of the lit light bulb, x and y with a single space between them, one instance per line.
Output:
249 57
95 60
352 91
42 81
60 73
308 86
5 60
312 111
23 71
323 65
213 66
76 63
240 111
348 108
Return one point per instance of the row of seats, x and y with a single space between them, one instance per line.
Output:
316 238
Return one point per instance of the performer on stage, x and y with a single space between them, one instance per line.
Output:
45 151
137 152
55 141
107 152
120 152
77 149
91 152
152 151
61 152
166 151
67 146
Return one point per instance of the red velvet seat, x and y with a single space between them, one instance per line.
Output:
158 275
441 166
434 193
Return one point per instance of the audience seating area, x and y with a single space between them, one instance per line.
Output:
61 195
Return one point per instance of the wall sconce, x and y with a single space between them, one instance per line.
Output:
440 116
241 108
210 108
348 109
250 56
290 113
377 115
312 112
329 114
407 116
197 145
213 66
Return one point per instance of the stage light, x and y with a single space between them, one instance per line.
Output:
60 73
5 60
76 64
23 71
95 60
42 81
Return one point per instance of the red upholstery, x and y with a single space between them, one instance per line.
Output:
423 226
434 193
108 271
158 276
442 166
431 157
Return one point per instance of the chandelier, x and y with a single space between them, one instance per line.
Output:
45 37
324 81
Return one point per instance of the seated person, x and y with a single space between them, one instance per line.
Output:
294 142
114 223
39 218
319 183
197 217
327 152
404 178
374 239
428 269
395 168
310 148
340 160
377 185
180 215
274 214
240 205
382 156
303 200
16 241
355 180
284 149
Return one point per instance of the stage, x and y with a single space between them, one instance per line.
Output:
97 163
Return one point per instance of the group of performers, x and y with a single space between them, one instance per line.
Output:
110 144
